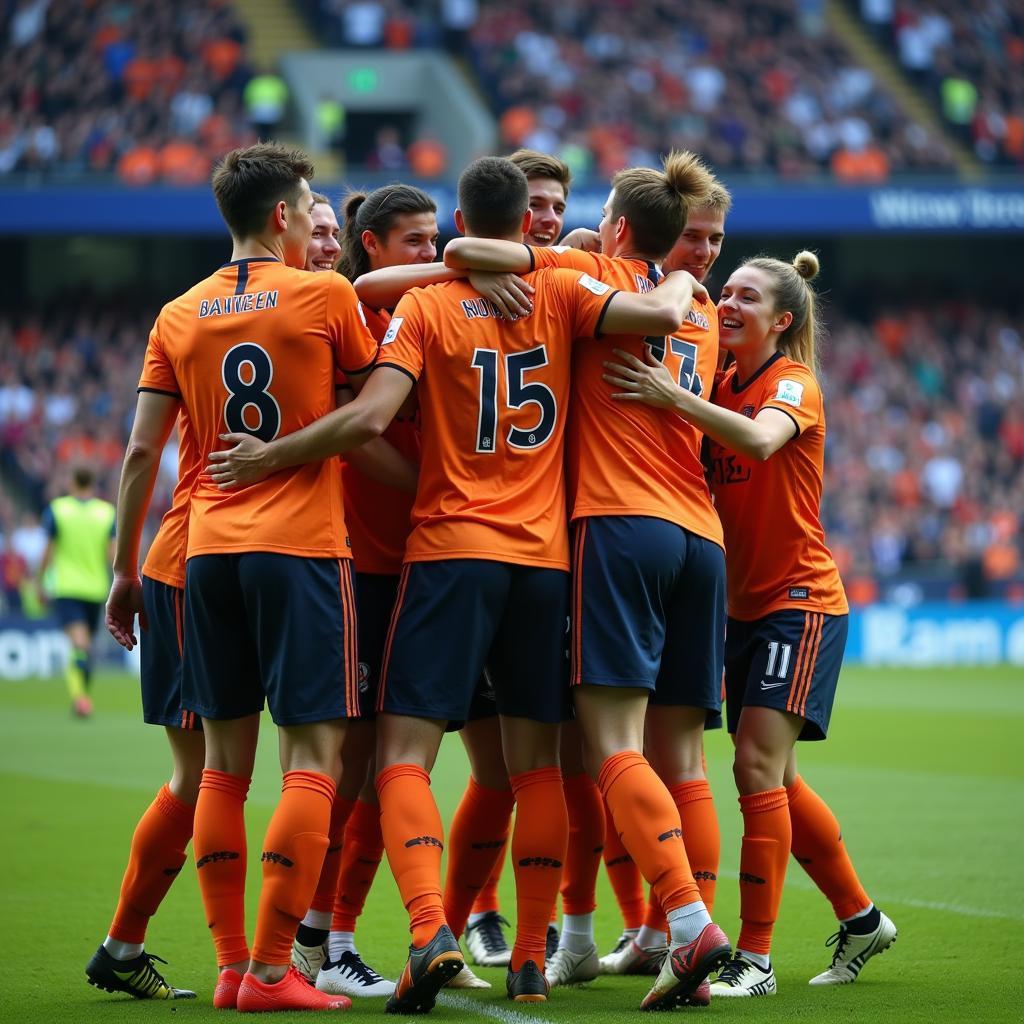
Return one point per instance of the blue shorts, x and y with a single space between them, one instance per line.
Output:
260 624
160 648
70 610
648 610
375 601
456 616
788 660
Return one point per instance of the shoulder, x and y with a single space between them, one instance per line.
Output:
791 382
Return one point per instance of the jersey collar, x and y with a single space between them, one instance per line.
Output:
737 387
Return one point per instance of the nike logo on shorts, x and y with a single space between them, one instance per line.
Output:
773 686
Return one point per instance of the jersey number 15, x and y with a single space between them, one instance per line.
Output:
519 393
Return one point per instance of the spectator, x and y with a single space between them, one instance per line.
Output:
265 99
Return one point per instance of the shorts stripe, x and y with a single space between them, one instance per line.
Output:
805 662
576 655
179 618
812 665
399 598
345 590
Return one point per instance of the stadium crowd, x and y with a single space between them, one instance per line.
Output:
926 441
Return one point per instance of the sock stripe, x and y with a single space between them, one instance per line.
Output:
385 661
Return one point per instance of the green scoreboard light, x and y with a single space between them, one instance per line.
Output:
364 79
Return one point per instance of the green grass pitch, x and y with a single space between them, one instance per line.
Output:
924 770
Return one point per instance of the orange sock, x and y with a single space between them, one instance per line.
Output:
413 837
763 857
703 842
327 886
586 844
218 844
476 853
818 846
293 856
624 875
648 822
539 839
360 858
156 857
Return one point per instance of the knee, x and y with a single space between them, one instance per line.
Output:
755 770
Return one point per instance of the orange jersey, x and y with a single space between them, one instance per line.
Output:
493 398
166 558
626 458
379 518
254 348
777 556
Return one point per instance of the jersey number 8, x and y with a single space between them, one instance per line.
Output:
247 372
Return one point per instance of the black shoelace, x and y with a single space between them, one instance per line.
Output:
839 940
490 931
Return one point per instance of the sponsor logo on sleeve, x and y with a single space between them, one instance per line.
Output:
592 284
393 328
789 391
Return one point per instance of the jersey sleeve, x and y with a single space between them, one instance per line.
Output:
585 299
794 391
354 347
544 256
157 372
402 346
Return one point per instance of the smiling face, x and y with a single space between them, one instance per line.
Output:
700 243
747 318
411 239
324 251
547 201
298 229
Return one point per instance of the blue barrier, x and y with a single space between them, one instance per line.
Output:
933 634
781 209
38 648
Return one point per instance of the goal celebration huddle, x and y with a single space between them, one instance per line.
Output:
575 519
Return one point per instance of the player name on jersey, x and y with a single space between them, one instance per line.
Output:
247 302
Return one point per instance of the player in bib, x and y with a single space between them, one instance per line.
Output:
787 608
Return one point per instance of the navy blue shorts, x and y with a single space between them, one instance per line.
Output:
456 616
71 609
260 624
788 660
648 610
160 648
375 601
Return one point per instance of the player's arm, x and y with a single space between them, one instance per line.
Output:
361 420
582 238
651 383
50 525
659 311
154 420
380 460
381 289
488 254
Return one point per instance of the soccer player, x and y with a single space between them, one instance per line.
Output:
479 830
269 611
649 573
641 948
394 225
73 572
486 573
157 853
787 609
325 243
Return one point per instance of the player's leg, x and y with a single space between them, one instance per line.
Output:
624 568
528 667
73 616
441 630
158 845
575 957
478 838
627 884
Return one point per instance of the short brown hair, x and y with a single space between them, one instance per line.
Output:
319 199
655 203
543 165
718 198
83 476
493 196
248 183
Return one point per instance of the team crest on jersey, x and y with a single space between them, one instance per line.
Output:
393 328
698 319
748 411
790 391
592 284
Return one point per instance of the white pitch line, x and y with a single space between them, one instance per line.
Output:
467 1005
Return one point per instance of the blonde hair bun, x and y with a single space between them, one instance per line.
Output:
806 265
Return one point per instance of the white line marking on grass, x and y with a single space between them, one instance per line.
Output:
467 1005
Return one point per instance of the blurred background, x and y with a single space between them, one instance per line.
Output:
887 135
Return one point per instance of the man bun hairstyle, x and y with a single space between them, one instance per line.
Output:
378 212
249 182
493 197
655 203
793 292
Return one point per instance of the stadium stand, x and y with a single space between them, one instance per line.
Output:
925 470
150 90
